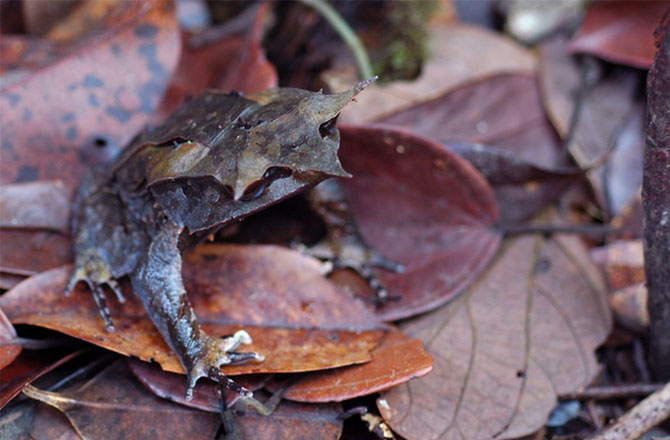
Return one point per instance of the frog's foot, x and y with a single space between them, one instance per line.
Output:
357 256
215 352
92 269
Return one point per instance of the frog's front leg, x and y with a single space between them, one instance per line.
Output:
344 246
157 280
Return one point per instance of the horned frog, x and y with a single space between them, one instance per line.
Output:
217 159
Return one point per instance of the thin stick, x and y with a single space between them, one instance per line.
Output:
641 418
346 33
590 229
613 392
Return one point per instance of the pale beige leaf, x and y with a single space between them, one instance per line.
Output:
522 334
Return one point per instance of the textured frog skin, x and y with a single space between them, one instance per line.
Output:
217 159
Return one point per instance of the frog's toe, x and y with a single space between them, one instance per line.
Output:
217 352
81 274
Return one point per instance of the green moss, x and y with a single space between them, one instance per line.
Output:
402 49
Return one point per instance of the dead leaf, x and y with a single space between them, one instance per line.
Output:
502 111
605 99
20 55
43 204
114 406
620 32
298 319
522 189
7 352
397 359
40 17
622 261
458 54
51 424
607 120
8 280
30 365
630 306
422 206
170 386
234 63
27 252
523 333
48 116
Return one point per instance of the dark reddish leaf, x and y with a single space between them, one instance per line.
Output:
450 65
7 352
51 424
522 189
502 111
44 204
114 406
621 32
504 349
171 386
8 280
307 324
48 116
21 55
234 63
397 359
656 202
27 367
422 206
27 252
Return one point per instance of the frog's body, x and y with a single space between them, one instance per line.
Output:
217 159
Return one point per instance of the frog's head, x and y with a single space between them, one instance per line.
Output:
260 149
292 132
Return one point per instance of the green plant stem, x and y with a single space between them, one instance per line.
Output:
346 33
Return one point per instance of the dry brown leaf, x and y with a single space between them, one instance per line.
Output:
397 359
523 333
7 352
458 54
42 204
25 252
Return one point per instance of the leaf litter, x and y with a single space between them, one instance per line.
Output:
495 345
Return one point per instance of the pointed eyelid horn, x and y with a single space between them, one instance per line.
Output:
329 106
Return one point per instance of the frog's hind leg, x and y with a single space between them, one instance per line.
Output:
92 269
157 281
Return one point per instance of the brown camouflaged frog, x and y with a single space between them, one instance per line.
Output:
217 159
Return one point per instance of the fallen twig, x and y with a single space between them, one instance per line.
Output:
641 418
611 392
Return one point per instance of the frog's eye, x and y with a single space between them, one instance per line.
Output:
256 188
327 128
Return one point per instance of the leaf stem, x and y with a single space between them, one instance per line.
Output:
346 33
